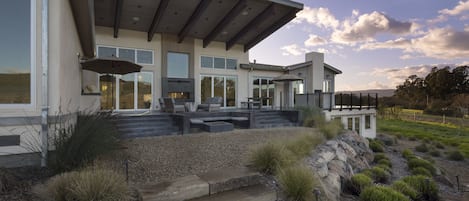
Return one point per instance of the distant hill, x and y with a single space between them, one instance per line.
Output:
380 92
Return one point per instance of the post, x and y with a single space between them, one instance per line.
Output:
457 182
330 101
351 101
376 106
360 101
45 85
341 103
368 100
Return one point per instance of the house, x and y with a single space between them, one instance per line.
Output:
189 50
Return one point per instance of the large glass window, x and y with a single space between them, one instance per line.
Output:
327 86
219 63
15 52
127 54
231 64
145 57
134 91
206 62
137 56
367 121
264 88
219 86
178 65
107 52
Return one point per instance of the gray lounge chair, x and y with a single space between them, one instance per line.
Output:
170 106
211 104
161 101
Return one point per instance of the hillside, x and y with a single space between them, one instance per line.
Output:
380 92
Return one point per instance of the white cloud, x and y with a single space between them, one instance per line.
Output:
368 26
355 12
320 17
406 57
457 10
293 50
379 85
315 40
441 43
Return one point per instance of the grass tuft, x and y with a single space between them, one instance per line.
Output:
426 187
358 183
296 182
405 189
417 162
455 156
270 157
375 146
382 193
421 171
422 148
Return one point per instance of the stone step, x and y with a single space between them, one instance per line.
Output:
252 193
229 179
210 184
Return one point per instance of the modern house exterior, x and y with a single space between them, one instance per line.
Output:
189 50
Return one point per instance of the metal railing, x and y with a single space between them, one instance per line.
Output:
340 101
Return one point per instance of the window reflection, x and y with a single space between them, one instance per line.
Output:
178 65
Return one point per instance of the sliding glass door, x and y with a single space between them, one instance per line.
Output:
127 92
263 88
221 86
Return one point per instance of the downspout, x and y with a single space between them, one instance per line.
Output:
45 83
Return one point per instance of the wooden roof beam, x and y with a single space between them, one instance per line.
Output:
282 21
201 7
251 25
157 18
117 17
229 17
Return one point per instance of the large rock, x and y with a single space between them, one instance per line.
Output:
336 161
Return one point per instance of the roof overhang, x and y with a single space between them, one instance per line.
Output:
244 22
84 20
332 68
268 67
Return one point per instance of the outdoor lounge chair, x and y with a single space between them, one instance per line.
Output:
211 104
170 106
161 102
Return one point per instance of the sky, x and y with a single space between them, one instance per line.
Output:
376 43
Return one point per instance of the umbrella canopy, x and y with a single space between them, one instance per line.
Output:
287 78
110 65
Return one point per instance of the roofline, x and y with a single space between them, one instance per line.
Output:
332 68
263 67
289 3
299 65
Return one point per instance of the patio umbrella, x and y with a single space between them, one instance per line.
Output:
110 65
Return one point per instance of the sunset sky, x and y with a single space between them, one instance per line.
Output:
377 44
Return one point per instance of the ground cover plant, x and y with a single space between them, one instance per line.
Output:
405 189
296 182
382 193
426 187
358 182
445 134
85 185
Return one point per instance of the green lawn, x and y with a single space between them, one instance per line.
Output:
448 134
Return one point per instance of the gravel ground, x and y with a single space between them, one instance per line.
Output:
156 159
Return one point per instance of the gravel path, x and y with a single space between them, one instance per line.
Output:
399 164
154 159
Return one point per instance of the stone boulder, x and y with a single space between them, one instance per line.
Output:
335 161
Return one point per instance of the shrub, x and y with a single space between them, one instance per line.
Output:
455 156
412 138
311 116
380 175
435 153
77 145
405 189
379 156
381 193
407 154
296 182
376 146
8 181
421 171
332 128
439 145
87 184
385 162
421 148
271 156
358 182
417 162
303 145
427 188
385 167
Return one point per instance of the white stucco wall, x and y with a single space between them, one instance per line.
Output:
345 114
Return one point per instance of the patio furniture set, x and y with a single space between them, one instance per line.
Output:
168 104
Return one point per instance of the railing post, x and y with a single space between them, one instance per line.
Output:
360 101
376 106
341 103
368 100
320 105
351 101
330 101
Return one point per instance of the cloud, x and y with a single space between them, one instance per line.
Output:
457 10
293 50
441 43
368 26
379 85
315 40
320 17
406 57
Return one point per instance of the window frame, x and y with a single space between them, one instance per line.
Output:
130 48
32 85
219 57
212 78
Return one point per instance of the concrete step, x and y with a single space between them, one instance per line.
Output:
235 182
150 133
252 193
275 125
148 128
229 179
